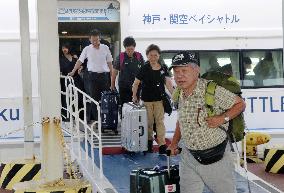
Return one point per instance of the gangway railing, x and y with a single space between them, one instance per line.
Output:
79 128
67 80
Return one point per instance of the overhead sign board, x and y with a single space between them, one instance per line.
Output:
89 11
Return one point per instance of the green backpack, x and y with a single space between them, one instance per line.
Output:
236 125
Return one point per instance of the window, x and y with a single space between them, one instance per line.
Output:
252 68
262 68
166 58
224 61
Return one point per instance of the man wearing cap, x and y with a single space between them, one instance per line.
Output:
205 158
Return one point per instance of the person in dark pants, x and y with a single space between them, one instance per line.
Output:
127 64
67 62
99 67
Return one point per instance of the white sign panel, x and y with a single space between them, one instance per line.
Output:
11 118
204 15
264 108
264 111
89 11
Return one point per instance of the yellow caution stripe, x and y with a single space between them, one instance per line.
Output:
253 159
274 161
81 190
18 172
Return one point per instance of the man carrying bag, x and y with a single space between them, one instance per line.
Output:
206 157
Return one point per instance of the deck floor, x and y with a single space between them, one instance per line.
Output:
276 180
117 169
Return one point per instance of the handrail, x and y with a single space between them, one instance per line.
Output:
67 80
73 111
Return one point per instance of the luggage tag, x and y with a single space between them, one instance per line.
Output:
170 188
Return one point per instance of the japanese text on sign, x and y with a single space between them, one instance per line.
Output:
182 19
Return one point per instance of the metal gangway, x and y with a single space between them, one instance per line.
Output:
82 135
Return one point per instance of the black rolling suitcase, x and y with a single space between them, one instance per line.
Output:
162 180
109 110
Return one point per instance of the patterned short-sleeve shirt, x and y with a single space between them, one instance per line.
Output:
192 114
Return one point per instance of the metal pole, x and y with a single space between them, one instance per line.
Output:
49 86
26 77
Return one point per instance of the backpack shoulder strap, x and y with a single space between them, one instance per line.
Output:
176 94
233 79
209 97
138 55
121 60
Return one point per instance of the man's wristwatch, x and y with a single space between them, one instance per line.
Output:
226 118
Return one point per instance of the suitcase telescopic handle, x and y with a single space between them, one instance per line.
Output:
142 131
168 152
135 105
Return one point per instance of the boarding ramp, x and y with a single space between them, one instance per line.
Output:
98 169
82 136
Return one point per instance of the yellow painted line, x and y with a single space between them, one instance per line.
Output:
19 191
5 171
269 155
19 176
37 176
71 191
89 190
278 165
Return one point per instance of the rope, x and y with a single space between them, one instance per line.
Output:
70 165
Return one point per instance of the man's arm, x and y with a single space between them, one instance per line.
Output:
110 67
110 72
235 110
134 90
176 138
113 78
238 107
109 61
76 67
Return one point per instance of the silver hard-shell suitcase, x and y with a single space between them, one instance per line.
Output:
134 129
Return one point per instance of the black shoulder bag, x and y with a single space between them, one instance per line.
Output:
214 154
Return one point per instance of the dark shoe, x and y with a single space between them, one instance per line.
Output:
163 149
150 146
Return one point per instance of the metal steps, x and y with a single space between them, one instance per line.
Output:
109 139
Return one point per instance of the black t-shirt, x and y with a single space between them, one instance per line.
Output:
130 69
67 66
151 81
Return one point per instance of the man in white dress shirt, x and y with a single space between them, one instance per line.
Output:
99 67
